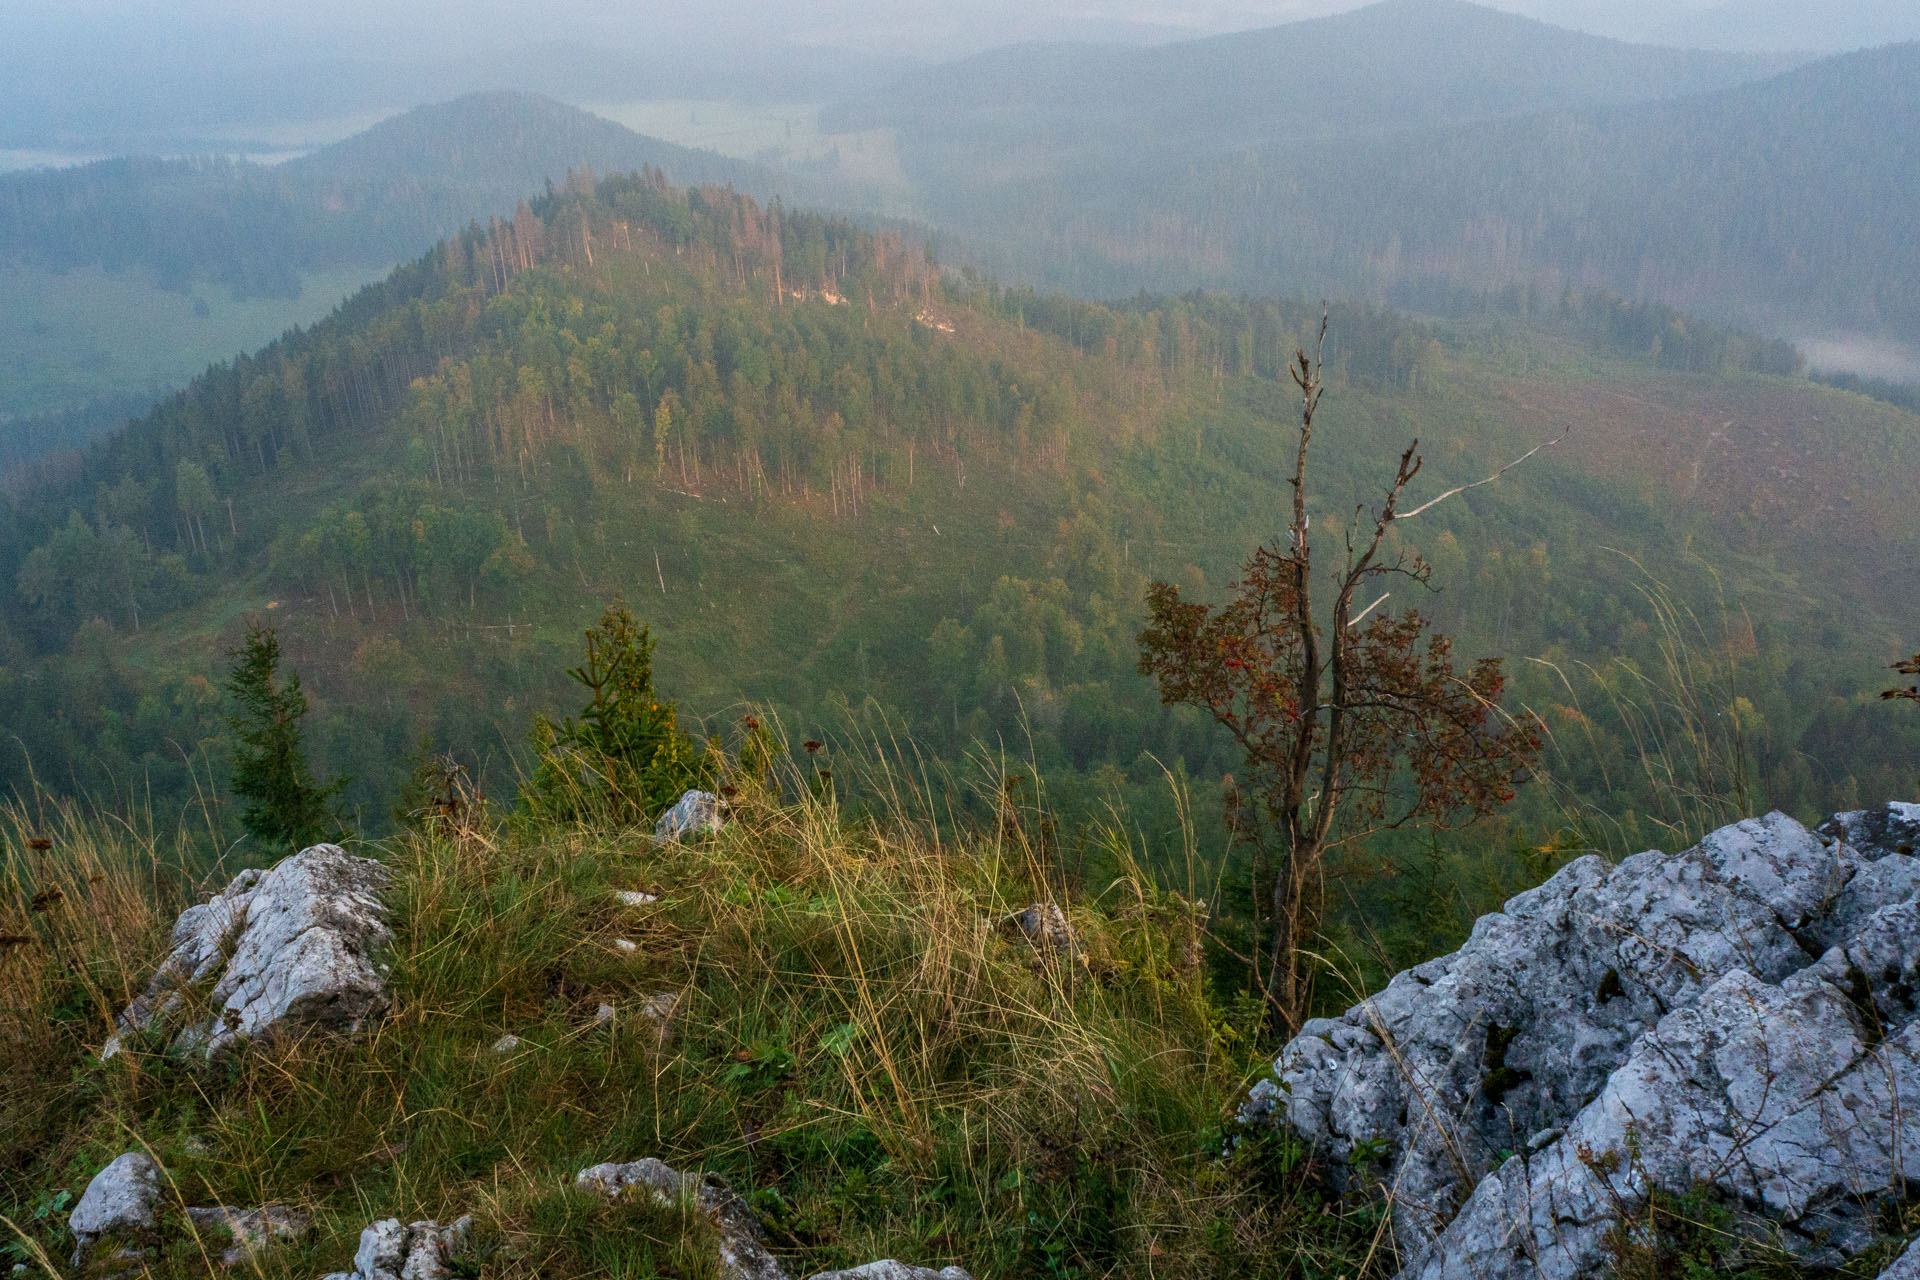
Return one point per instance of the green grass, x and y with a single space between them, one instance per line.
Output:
862 1049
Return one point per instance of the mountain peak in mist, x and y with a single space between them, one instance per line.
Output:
1393 65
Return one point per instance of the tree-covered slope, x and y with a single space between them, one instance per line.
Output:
129 276
841 483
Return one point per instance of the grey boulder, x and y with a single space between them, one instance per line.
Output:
281 952
695 813
743 1250
390 1250
120 1206
123 1204
1740 1014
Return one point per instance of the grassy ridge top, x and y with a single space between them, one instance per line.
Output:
858 1044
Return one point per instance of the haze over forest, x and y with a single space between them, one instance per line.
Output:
888 599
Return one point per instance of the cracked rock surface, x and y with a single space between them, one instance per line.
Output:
1741 1014
284 951
743 1250
391 1250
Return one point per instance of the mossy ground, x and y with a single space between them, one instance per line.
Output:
861 1048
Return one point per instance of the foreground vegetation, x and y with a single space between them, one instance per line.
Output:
860 1046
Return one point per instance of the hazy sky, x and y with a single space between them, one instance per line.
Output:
923 27
134 74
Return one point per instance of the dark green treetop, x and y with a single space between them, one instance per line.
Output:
285 805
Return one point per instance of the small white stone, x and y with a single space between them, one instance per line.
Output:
507 1043
603 1016
626 944
637 898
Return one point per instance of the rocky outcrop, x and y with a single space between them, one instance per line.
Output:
695 813
390 1250
119 1216
120 1207
743 1250
281 952
1740 1015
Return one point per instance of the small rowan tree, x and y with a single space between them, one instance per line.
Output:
1352 721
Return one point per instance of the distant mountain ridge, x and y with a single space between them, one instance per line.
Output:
1783 202
1393 65
380 196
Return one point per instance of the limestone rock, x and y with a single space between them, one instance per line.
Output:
280 952
695 813
743 1250
250 1230
888 1269
507 1043
1892 828
414 1251
1044 925
636 897
121 1205
1742 1014
1906 1266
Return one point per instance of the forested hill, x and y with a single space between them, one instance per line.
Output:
425 174
378 197
841 481
1393 65
1786 202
